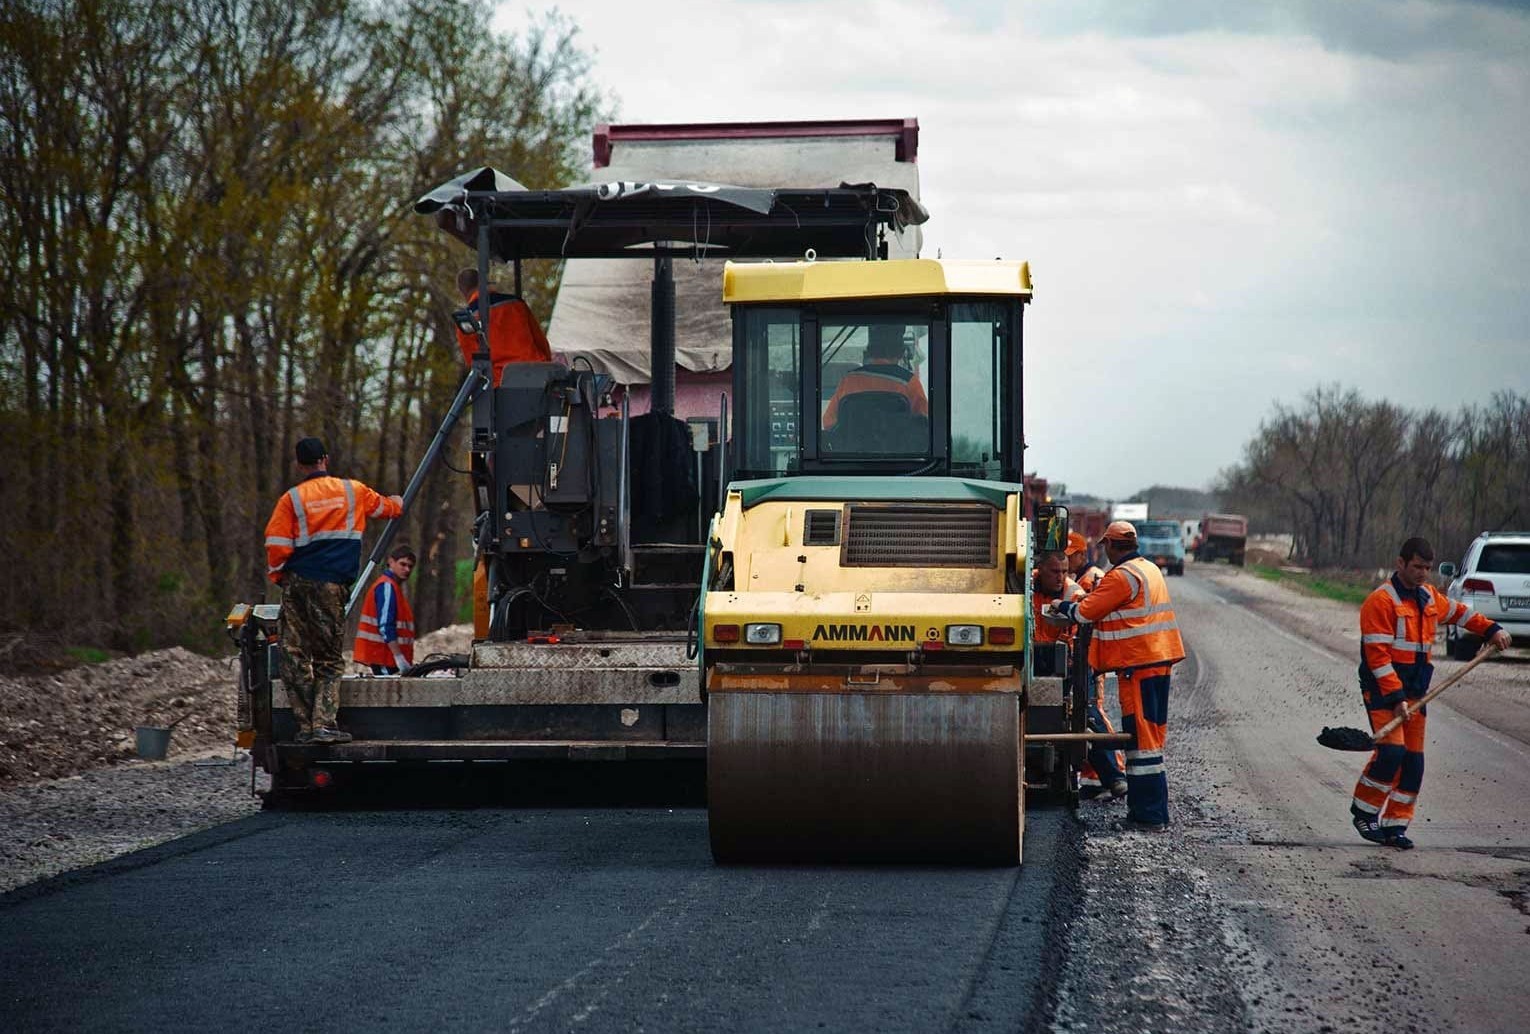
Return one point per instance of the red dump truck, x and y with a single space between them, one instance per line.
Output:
1222 536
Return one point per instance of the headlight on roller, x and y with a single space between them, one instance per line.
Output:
762 634
964 635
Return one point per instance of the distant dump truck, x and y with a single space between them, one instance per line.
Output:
1160 542
1223 536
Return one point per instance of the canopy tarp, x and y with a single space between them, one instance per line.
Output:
629 219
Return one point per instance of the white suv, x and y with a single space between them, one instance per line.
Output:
1494 580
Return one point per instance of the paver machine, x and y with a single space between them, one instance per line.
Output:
590 519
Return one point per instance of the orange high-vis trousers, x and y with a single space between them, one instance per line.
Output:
1144 696
1388 788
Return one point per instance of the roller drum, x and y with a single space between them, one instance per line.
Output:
865 776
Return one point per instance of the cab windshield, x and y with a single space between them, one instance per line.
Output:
871 395
838 388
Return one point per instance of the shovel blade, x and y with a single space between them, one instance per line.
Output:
1344 738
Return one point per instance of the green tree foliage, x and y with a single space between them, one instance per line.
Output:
208 248
1350 478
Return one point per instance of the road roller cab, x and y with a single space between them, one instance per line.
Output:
865 643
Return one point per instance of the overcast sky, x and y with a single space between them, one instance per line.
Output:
1224 204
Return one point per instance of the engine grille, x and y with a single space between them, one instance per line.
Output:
920 535
821 528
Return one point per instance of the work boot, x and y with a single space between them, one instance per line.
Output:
1090 791
1130 824
303 736
1400 840
1118 789
331 736
1368 830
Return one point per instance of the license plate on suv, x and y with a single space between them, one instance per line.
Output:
1515 602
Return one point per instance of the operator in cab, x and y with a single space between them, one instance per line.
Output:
884 370
515 336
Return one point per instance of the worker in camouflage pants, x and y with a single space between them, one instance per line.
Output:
313 637
313 551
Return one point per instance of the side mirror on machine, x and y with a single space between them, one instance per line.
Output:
1447 570
1051 528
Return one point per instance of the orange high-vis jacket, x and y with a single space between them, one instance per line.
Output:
515 336
878 376
1133 620
1397 627
386 618
315 529
1044 631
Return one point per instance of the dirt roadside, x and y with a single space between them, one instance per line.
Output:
73 791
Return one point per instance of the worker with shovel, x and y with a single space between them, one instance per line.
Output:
1397 625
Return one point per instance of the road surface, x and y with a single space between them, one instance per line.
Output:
1260 911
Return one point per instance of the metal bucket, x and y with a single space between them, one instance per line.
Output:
153 742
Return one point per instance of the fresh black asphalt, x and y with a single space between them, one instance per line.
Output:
528 919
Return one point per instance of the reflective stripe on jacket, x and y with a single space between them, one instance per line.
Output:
1397 627
1133 620
1044 631
515 336
315 529
386 617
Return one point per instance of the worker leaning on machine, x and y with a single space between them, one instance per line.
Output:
1101 772
313 551
1088 576
515 336
1397 626
1137 637
385 633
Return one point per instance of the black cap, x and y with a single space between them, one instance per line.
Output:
310 451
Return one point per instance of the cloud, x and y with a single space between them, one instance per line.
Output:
1224 204
1391 29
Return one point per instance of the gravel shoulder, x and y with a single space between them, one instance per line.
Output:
1260 910
73 791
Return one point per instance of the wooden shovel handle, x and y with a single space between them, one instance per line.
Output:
1487 651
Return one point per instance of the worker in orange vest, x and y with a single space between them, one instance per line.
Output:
1397 626
1101 771
1082 571
385 633
515 336
883 370
1088 576
313 551
1135 636
1050 583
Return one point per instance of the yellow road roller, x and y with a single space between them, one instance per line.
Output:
863 621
